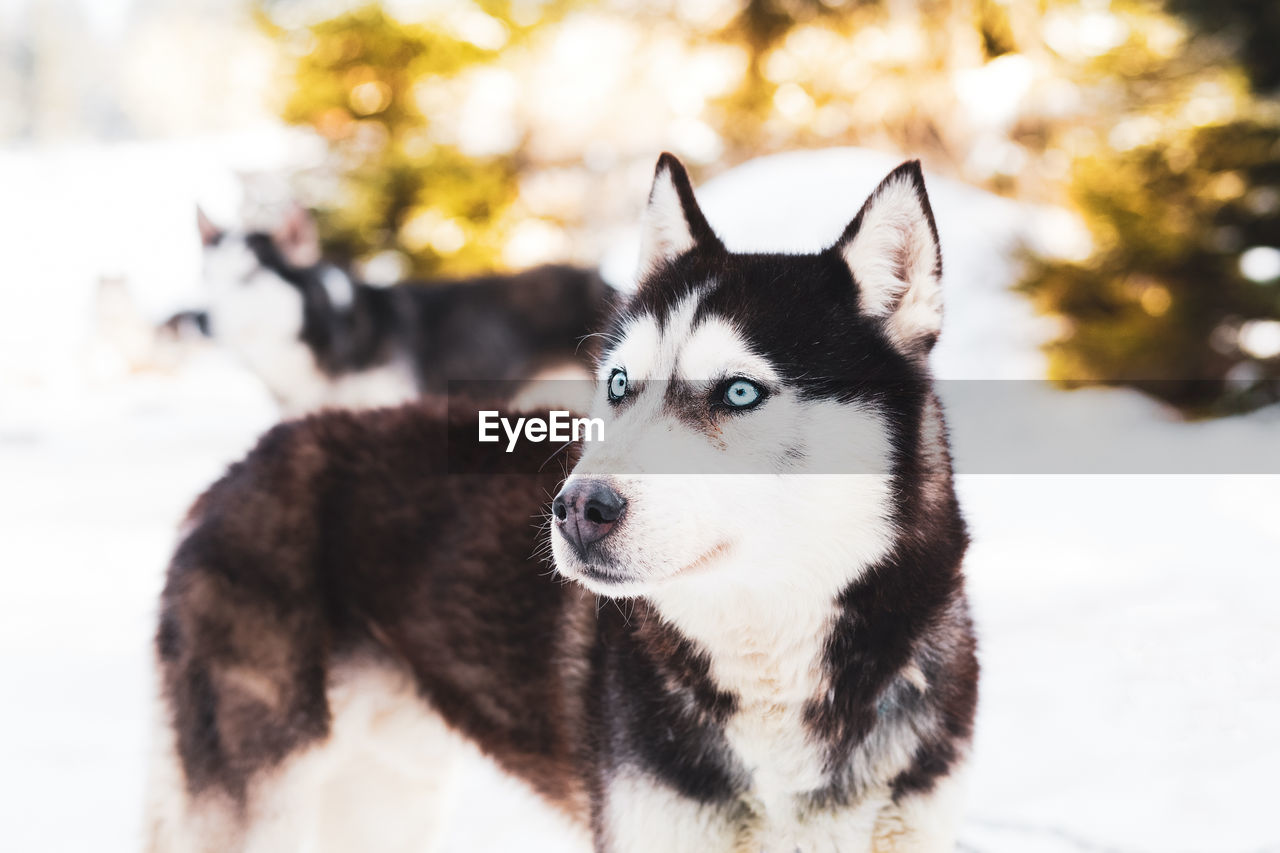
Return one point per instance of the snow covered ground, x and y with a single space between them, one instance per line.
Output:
1130 625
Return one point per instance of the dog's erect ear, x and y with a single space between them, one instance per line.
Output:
673 224
210 234
891 247
297 237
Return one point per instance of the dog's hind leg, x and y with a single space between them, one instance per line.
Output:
382 779
175 820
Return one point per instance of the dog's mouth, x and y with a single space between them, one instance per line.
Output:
601 573
592 564
600 579
705 560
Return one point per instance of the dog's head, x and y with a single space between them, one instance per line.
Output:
266 290
758 408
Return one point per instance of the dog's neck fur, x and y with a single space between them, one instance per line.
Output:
764 617
766 645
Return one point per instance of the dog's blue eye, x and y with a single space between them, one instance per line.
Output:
617 384
742 394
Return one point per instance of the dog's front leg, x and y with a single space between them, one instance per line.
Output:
926 822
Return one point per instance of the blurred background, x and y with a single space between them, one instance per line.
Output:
1107 180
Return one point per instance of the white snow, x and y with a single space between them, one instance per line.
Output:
1129 627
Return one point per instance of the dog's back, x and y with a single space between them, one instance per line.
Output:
501 327
326 586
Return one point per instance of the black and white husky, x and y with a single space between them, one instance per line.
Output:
793 667
318 338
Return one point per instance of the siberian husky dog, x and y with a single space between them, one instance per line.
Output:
756 637
316 337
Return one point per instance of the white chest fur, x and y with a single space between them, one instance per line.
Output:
768 651
767 645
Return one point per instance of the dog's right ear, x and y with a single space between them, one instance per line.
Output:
210 234
892 250
297 237
673 223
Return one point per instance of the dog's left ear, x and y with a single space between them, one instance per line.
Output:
210 234
891 247
673 222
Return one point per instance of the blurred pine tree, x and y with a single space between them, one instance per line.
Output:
1179 193
1251 29
1161 303
364 81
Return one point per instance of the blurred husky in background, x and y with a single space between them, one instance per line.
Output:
319 338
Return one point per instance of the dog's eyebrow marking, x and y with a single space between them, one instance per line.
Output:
677 332
715 350
687 347
638 342
649 349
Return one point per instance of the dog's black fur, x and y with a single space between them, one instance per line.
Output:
345 534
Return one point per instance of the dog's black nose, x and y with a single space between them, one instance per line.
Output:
586 510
